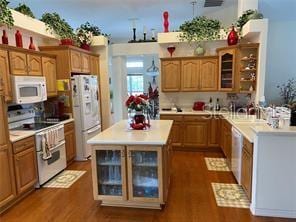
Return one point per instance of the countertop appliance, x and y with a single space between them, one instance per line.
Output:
198 106
23 120
236 158
86 110
28 89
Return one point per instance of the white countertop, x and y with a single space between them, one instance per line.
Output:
120 134
192 112
16 135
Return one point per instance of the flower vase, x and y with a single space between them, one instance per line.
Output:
4 38
18 39
166 21
232 38
32 46
139 117
199 50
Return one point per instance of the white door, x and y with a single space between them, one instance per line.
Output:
94 95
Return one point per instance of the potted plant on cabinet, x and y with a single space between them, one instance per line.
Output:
60 27
93 29
24 9
246 16
6 15
200 29
84 38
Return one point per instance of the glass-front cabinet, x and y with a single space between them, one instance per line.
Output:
110 172
144 173
227 58
128 173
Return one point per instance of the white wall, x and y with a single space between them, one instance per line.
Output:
281 45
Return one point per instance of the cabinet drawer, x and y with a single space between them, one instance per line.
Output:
196 118
23 144
172 117
68 127
248 146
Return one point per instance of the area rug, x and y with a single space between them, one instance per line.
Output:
64 179
230 195
216 164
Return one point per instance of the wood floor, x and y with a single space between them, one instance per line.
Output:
190 200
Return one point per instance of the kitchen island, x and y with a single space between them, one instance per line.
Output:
131 168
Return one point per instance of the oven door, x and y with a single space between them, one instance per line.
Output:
29 92
49 168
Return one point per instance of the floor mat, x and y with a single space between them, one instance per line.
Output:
64 179
230 195
216 164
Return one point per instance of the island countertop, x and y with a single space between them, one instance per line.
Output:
119 134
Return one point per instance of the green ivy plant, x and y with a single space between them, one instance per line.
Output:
24 9
58 25
6 15
246 16
200 29
95 30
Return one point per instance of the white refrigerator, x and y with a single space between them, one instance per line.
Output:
86 111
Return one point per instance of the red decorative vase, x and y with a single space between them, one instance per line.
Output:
66 42
166 21
85 46
4 38
32 46
232 38
18 39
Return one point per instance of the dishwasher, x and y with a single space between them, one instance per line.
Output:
236 158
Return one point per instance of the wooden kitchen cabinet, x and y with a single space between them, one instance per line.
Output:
18 63
226 141
214 132
247 167
208 80
76 65
25 64
94 65
177 132
170 75
85 63
49 70
25 169
190 72
195 131
69 129
7 181
227 69
34 65
5 83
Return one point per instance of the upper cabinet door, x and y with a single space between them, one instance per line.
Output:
49 72
94 65
76 61
34 65
170 76
18 63
227 59
190 75
4 75
209 75
85 61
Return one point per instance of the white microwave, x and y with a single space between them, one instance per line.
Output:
28 89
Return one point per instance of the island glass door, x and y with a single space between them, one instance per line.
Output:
144 173
110 175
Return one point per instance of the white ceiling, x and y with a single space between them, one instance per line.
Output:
112 16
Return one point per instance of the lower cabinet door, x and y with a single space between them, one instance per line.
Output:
109 173
25 169
246 180
196 134
145 174
7 183
70 145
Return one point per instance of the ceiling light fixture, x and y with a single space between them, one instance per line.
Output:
193 3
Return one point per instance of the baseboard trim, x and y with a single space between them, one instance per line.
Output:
273 213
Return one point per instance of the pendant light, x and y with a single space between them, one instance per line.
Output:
152 70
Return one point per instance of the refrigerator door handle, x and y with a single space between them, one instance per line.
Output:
94 129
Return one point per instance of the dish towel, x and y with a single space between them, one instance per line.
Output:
46 154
